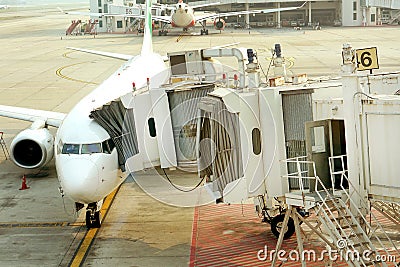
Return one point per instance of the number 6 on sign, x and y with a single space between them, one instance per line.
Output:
367 58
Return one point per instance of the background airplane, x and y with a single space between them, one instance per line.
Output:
183 16
86 157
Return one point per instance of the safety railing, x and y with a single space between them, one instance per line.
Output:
298 173
360 208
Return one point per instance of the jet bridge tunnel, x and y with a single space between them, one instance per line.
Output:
136 130
119 122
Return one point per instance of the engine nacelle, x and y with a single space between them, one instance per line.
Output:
32 148
219 24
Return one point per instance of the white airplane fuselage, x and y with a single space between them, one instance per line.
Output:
183 17
87 170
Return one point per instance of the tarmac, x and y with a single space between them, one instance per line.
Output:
40 228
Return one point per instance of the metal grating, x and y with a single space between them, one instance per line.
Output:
297 110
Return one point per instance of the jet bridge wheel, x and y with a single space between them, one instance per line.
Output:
276 226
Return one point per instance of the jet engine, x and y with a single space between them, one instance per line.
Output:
219 24
32 148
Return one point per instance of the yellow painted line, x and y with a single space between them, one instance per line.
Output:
90 235
180 37
59 70
33 224
290 60
66 54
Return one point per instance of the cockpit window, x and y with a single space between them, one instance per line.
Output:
91 148
104 147
70 149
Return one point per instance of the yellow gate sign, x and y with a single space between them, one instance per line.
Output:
367 58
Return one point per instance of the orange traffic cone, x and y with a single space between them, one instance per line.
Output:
24 186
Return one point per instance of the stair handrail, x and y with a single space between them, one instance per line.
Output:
299 173
349 193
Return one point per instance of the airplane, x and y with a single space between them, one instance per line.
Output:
183 17
85 155
3 6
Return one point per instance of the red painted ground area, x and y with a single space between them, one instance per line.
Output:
233 235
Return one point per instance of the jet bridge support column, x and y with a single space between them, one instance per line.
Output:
351 96
278 16
247 16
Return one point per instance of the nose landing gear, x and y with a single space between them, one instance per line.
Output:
93 218
204 32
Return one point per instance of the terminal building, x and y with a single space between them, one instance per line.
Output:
317 12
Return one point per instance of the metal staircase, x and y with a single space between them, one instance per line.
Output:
72 27
135 24
4 146
90 27
395 19
343 217
389 210
348 236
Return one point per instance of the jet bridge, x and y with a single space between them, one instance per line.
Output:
352 166
318 150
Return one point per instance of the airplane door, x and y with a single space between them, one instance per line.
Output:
318 150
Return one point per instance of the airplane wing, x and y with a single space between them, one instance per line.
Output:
163 6
85 14
94 14
80 13
236 13
26 114
165 19
101 53
205 5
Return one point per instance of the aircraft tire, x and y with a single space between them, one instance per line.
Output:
88 219
97 220
276 226
93 222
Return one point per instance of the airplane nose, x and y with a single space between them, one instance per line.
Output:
80 180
